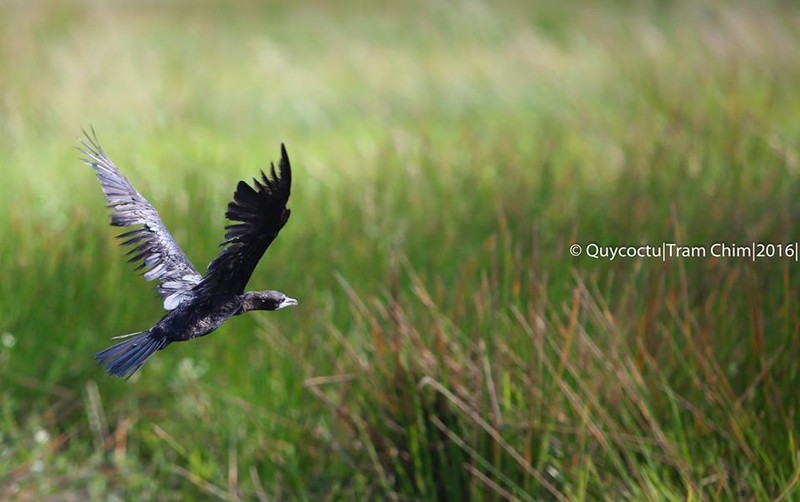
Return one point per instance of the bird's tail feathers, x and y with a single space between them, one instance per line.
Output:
123 359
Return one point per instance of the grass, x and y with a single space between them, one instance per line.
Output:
447 346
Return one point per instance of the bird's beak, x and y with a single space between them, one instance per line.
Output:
287 302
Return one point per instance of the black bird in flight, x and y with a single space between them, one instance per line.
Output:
196 304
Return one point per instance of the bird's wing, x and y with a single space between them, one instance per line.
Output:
153 247
258 213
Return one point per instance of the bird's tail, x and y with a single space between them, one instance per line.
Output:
123 359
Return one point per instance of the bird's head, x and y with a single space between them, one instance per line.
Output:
266 300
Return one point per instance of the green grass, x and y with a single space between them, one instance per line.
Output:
446 346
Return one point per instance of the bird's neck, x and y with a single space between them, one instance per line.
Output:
250 301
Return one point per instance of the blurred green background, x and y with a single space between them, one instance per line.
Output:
446 155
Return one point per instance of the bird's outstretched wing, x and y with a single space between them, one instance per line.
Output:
258 213
153 247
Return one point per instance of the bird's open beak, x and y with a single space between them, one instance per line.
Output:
287 302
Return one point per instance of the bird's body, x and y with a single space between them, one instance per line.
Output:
194 319
196 305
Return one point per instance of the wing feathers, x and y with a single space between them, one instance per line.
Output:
257 213
152 243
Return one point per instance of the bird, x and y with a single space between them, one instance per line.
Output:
195 304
